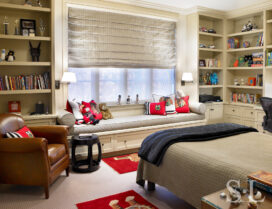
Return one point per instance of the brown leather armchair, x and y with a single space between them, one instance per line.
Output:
32 161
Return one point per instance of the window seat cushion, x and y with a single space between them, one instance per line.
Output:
135 122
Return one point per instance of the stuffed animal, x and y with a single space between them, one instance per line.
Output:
88 115
10 56
105 111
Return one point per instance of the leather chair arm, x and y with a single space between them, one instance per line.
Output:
22 145
54 134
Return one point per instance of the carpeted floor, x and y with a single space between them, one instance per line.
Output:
66 192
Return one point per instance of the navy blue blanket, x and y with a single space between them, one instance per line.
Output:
155 145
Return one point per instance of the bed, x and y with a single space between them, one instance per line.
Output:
192 170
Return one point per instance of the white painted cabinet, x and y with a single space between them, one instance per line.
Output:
214 112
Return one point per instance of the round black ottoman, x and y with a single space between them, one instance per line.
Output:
91 164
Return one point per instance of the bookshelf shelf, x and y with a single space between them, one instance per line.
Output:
269 21
28 38
211 34
245 68
242 104
24 8
210 86
269 46
254 32
246 49
42 91
210 50
268 67
19 63
210 68
245 87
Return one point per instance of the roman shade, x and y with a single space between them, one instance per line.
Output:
107 39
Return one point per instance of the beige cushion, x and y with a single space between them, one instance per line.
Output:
135 122
66 118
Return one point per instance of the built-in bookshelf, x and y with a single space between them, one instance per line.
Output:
23 66
245 59
210 55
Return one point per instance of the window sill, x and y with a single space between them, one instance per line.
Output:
125 106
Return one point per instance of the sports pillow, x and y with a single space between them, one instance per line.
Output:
169 102
182 104
22 133
155 108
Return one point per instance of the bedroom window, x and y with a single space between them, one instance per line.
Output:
113 53
105 84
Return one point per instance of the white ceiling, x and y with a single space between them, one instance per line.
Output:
224 5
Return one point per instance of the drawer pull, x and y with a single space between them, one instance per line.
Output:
125 141
102 145
233 110
211 109
251 113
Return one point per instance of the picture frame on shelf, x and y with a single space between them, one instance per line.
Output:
28 25
202 63
14 106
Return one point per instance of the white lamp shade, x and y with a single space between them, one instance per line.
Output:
187 77
68 77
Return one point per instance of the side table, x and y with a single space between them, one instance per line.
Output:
91 164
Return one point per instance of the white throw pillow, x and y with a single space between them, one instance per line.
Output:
76 110
170 107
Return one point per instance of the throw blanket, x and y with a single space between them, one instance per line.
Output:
155 145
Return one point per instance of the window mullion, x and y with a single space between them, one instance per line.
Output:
151 83
126 84
97 86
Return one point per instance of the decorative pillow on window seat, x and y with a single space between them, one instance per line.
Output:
182 104
169 102
21 133
90 112
75 106
155 108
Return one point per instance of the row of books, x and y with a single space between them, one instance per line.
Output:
21 82
210 63
233 43
245 98
269 58
261 180
257 59
260 40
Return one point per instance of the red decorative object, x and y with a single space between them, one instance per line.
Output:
252 81
68 107
155 108
182 104
14 106
122 200
21 133
123 164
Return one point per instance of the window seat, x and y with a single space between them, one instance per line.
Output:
123 133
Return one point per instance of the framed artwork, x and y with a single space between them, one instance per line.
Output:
14 106
202 63
27 26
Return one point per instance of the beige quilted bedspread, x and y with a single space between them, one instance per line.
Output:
192 170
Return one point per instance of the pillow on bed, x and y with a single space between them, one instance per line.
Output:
169 102
182 104
155 108
21 133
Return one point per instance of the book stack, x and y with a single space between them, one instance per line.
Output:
245 98
269 58
212 63
261 180
21 82
257 59
233 43
260 41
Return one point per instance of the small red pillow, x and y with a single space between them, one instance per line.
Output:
182 104
22 133
155 108
68 107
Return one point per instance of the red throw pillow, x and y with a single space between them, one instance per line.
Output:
182 104
22 133
155 108
68 107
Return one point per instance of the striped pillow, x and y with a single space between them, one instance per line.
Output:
22 133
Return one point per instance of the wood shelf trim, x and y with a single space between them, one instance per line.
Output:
269 21
210 50
20 37
211 34
243 104
25 63
210 68
36 91
246 49
245 87
245 68
246 33
23 7
268 67
210 86
269 46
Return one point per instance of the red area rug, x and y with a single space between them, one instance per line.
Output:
123 164
125 200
